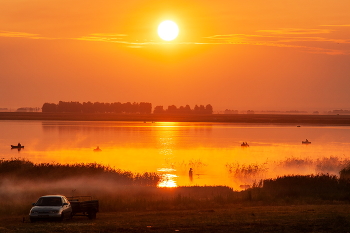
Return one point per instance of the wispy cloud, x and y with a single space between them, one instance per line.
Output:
22 35
336 25
296 31
115 38
309 40
104 37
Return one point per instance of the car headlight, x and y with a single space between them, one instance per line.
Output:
54 212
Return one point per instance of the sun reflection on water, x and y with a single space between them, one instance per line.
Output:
168 179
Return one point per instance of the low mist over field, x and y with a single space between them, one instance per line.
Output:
119 190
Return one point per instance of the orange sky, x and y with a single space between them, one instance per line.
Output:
260 55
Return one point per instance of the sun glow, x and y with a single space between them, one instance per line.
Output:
168 30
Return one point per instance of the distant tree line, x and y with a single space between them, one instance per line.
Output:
117 107
29 109
97 107
172 109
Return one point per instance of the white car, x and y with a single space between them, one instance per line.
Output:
51 207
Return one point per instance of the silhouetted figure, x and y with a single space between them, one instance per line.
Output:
306 142
97 149
19 145
190 174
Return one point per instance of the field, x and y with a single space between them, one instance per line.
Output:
232 218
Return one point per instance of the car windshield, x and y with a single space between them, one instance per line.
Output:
49 201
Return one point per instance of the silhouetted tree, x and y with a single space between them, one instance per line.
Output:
196 109
188 109
172 109
158 109
209 109
201 109
88 107
47 107
145 108
181 110
135 108
127 107
117 107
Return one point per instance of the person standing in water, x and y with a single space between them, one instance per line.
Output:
190 174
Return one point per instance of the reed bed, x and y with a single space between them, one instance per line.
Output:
22 182
247 173
24 169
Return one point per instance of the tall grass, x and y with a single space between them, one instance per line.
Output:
323 186
22 182
251 173
331 164
24 169
247 173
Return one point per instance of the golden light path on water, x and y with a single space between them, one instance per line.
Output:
171 149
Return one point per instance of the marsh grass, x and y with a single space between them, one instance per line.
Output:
307 187
331 165
24 169
22 182
250 174
247 173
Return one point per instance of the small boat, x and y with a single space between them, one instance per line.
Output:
245 144
305 142
16 147
97 149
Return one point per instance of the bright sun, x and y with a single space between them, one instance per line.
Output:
168 30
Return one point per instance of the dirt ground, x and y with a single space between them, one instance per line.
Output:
300 218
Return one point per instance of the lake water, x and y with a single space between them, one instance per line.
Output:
212 150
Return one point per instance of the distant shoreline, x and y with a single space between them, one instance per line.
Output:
229 118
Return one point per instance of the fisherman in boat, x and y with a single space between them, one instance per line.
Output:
244 144
19 145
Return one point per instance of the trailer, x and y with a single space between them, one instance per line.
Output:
84 206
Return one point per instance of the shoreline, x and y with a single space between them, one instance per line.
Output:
219 118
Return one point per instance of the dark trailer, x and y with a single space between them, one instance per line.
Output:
84 206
